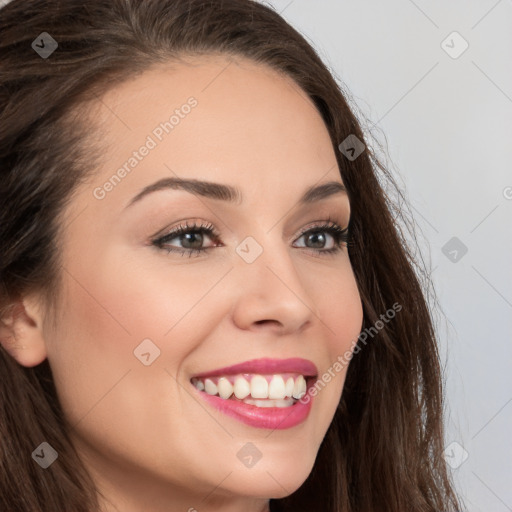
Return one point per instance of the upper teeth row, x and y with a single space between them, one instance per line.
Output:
258 387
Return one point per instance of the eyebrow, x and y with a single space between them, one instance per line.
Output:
232 194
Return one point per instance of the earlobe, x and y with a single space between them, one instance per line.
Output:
21 333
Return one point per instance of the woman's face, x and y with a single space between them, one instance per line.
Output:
141 318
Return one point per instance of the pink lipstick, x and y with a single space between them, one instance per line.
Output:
263 393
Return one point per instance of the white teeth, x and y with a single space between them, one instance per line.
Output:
289 387
210 387
299 388
242 388
225 388
276 387
259 387
199 384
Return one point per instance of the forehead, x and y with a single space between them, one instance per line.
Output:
215 118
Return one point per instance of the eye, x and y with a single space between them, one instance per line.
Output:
190 236
325 238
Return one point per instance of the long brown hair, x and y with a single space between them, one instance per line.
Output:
383 450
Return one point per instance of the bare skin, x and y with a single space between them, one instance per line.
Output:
148 442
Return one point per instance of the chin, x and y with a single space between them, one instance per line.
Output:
273 480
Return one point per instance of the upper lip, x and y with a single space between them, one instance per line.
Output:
266 366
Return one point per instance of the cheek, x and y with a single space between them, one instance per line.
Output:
111 310
337 298
153 297
340 310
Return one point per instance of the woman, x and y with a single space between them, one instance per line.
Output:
207 303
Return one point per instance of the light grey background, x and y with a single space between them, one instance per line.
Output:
448 125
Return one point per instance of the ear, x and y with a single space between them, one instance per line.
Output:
21 332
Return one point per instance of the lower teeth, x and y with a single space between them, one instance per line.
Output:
264 402
286 402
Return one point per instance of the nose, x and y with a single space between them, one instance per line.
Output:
271 294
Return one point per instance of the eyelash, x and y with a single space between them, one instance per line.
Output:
340 235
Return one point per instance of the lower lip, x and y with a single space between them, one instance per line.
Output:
274 418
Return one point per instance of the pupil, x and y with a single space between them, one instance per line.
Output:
316 237
188 238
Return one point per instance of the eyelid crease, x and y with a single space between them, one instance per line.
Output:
323 223
185 228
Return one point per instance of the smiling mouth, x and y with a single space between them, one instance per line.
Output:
270 390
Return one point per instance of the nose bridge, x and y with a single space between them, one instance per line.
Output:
271 289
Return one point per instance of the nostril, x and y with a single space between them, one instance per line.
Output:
258 322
